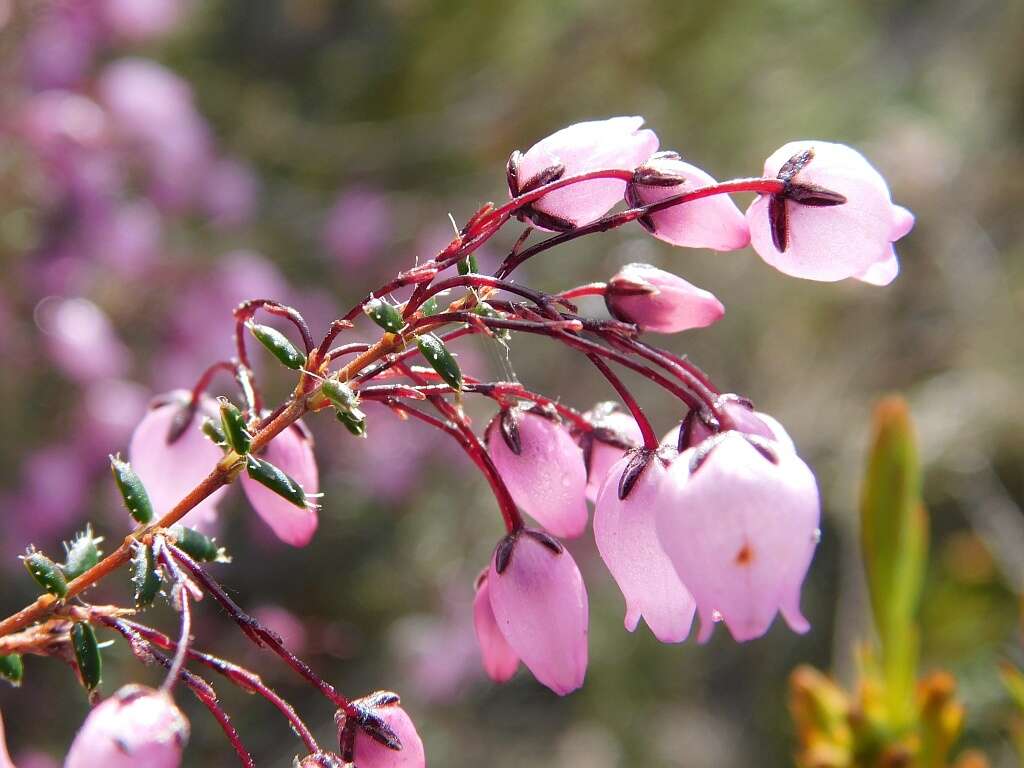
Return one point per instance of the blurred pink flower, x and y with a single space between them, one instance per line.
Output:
134 727
740 523
286 624
658 301
229 193
357 225
141 20
292 453
540 605
80 339
59 48
616 143
128 238
712 222
626 534
542 467
110 409
830 242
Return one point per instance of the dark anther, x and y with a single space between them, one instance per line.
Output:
763 447
701 454
778 221
512 172
545 220
813 195
381 699
546 539
549 174
636 466
685 430
586 443
794 165
509 427
181 421
503 552
374 726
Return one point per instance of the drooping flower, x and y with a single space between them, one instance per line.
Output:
742 417
542 467
500 661
381 736
169 470
540 604
834 220
614 433
658 301
292 453
739 521
616 143
626 534
136 726
711 222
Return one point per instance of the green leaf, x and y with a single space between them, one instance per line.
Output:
440 359
198 545
145 575
46 573
894 543
12 669
233 425
83 554
384 314
279 345
133 492
279 482
87 654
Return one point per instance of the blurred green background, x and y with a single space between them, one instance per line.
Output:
421 103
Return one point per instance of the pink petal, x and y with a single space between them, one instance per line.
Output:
616 143
136 726
500 661
672 304
169 472
141 20
372 754
292 453
548 478
741 532
540 604
604 455
626 536
711 222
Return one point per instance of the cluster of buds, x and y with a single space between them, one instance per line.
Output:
719 519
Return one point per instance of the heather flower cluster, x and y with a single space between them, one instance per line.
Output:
718 520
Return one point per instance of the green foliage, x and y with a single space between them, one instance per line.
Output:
133 492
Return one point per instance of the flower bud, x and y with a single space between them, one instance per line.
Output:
625 531
542 467
711 222
192 455
540 605
614 433
134 727
278 345
740 525
380 734
616 143
659 301
806 231
500 661
279 484
133 492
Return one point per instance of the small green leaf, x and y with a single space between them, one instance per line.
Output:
87 654
430 307
146 577
12 669
267 474
469 265
354 421
233 425
440 359
341 395
384 314
212 430
279 345
133 492
486 310
47 573
198 545
83 554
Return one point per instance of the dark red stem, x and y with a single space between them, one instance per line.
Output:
650 438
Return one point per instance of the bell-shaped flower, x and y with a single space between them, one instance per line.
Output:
626 534
614 144
542 467
658 301
741 417
710 222
381 735
540 604
136 726
500 661
739 521
834 220
170 464
615 432
292 453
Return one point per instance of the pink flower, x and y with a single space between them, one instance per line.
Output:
540 605
739 521
615 432
742 417
81 339
292 453
170 470
805 232
616 143
542 467
659 301
356 228
141 20
500 661
362 743
626 534
230 193
134 727
711 222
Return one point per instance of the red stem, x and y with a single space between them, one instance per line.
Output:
650 439
590 289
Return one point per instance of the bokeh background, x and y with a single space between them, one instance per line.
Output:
164 160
